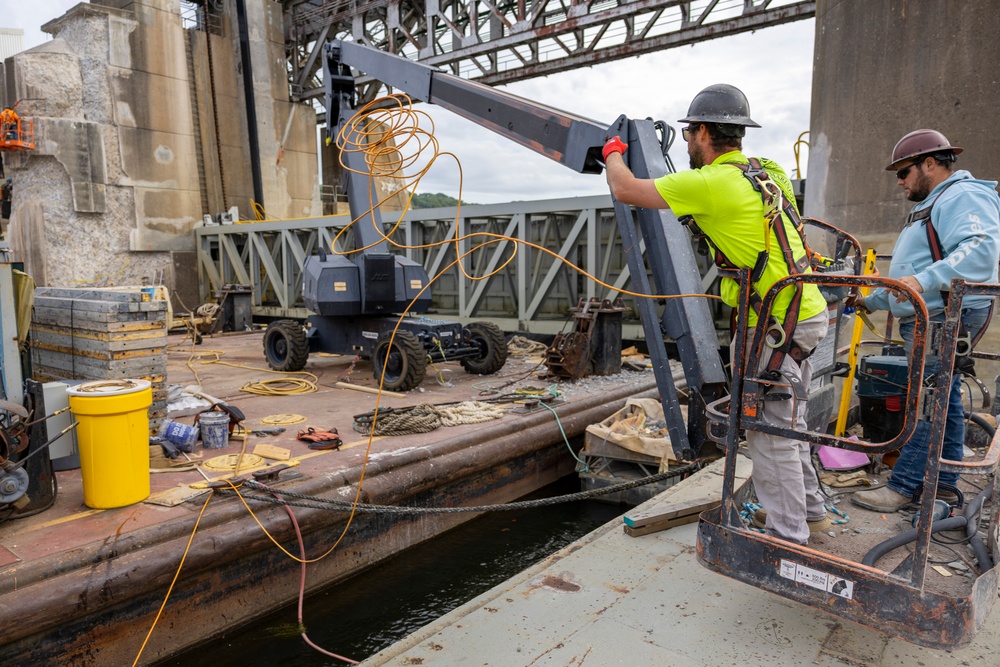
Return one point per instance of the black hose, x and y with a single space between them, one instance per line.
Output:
896 541
981 421
971 514
965 520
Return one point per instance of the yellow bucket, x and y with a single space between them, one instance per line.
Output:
113 439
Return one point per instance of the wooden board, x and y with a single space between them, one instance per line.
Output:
666 516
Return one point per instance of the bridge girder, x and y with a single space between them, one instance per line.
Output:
502 41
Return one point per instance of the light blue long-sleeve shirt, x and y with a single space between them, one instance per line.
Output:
967 220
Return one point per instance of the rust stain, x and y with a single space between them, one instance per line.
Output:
560 584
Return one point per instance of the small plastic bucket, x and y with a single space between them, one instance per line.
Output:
214 429
182 435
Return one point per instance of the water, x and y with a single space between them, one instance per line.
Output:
373 610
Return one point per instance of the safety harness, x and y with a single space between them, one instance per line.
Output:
775 202
963 356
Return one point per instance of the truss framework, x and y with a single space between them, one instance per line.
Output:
502 41
532 292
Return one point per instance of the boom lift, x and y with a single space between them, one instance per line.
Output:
575 142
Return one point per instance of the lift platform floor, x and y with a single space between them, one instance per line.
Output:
612 599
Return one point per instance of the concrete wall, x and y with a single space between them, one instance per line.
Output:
140 132
286 131
881 70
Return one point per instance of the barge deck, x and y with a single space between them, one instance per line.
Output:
83 587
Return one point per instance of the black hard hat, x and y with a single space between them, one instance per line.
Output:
720 103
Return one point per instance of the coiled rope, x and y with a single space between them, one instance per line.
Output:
425 418
519 346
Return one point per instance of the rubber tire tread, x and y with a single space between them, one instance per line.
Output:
496 349
413 352
296 343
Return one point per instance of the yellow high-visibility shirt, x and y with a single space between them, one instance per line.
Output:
728 209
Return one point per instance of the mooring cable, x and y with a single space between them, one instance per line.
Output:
315 502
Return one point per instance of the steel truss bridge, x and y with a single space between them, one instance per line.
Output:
502 41
531 292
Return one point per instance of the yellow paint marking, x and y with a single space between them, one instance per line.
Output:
65 519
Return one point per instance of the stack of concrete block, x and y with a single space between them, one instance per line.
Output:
98 334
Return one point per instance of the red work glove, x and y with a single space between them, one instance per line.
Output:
614 145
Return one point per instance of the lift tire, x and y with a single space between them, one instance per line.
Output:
405 363
490 339
285 346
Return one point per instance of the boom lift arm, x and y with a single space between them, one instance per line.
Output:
576 142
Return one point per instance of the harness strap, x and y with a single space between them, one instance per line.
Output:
775 202
924 217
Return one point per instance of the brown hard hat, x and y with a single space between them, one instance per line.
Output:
920 142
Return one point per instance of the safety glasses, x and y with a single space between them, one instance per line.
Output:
905 171
686 132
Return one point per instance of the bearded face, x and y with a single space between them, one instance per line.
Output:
696 156
920 187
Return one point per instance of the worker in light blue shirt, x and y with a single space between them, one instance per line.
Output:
952 232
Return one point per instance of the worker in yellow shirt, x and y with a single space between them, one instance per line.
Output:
719 193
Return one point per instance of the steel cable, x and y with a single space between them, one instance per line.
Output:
314 502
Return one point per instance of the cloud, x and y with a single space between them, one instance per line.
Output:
772 66
30 16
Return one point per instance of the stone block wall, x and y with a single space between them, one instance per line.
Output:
141 131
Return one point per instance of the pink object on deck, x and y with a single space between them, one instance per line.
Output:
834 458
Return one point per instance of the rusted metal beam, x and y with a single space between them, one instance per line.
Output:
503 42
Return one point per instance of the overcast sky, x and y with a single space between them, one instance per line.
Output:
658 85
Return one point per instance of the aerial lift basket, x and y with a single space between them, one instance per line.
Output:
897 602
19 136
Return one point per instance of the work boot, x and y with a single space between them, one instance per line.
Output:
882 499
949 497
820 525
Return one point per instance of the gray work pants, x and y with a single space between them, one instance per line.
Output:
783 475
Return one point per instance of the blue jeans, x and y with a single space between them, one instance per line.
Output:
908 473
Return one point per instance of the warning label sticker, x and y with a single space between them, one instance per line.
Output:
817 579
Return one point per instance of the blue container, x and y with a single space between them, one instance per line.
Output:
883 376
183 436
214 429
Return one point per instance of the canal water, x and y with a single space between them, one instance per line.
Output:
370 611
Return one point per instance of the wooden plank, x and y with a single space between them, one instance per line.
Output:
595 446
83 349
668 512
152 365
272 452
175 496
84 306
48 374
91 293
657 526
157 334
70 344
110 321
